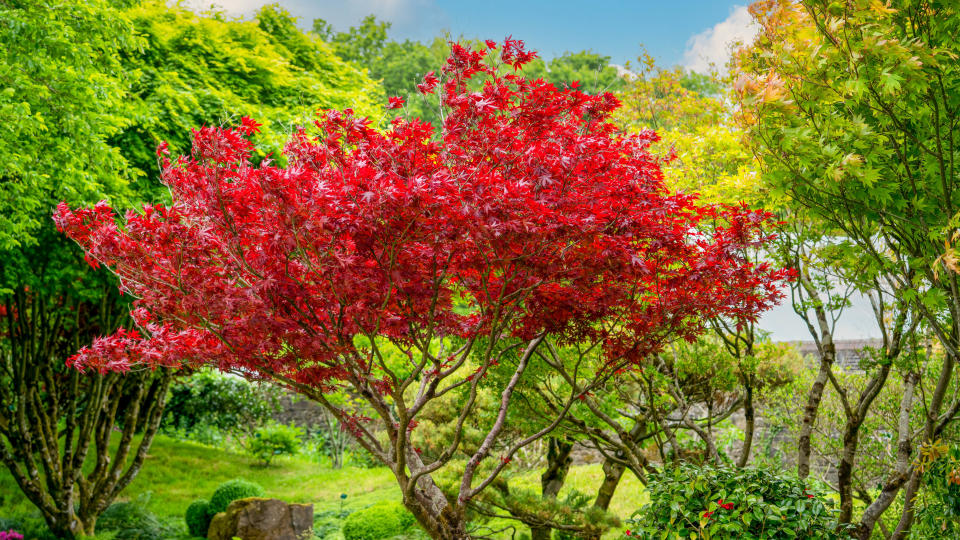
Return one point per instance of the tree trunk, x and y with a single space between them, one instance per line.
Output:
439 519
612 473
551 481
906 516
851 437
930 433
827 356
903 470
61 418
749 415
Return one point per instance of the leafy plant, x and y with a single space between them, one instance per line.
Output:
198 517
376 522
274 440
131 520
360 457
859 130
938 502
233 490
691 501
328 523
229 404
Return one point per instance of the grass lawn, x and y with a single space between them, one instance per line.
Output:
177 472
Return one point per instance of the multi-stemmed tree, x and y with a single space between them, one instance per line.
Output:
410 264
63 100
89 89
852 108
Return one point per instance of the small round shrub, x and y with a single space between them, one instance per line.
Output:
198 518
232 490
376 522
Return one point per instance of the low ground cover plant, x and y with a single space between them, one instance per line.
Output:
132 520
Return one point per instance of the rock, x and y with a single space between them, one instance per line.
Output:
262 519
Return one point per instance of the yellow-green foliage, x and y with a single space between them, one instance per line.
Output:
689 113
207 69
62 97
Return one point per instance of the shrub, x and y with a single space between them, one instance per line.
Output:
30 525
198 517
938 502
213 402
328 524
359 457
232 490
274 440
693 501
10 524
376 522
132 521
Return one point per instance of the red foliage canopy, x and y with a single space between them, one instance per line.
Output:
527 214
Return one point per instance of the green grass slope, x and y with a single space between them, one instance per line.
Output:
178 472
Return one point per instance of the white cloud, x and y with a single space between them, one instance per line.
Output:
712 47
409 18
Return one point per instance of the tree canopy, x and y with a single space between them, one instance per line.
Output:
528 221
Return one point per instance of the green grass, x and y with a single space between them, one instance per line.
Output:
177 472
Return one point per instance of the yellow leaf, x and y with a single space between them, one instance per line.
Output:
879 7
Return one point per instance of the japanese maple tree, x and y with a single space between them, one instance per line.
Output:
407 263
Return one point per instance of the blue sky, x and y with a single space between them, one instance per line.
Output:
684 32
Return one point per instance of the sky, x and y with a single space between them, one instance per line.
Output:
691 33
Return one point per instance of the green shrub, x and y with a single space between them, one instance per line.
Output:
377 522
274 440
938 502
209 403
232 490
10 524
132 521
198 517
691 501
327 524
359 457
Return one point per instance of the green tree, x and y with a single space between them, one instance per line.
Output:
854 110
63 96
699 140
89 91
593 72
400 66
204 70
363 44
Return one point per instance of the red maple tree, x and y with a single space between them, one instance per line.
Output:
526 225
